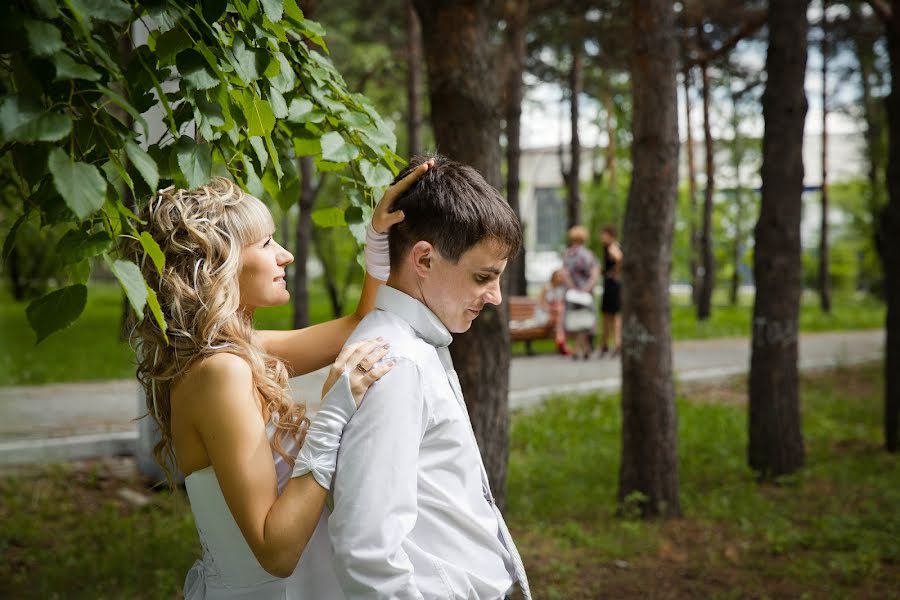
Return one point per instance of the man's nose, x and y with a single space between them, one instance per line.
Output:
493 295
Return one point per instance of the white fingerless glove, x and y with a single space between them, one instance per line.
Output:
378 256
318 455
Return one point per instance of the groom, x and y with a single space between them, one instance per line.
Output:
413 514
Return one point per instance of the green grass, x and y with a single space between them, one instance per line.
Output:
832 531
90 349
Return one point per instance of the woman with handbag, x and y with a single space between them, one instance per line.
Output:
583 271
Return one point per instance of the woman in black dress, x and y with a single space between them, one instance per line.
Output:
611 305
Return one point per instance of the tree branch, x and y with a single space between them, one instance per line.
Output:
754 23
882 9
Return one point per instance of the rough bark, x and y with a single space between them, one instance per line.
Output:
708 270
573 183
612 182
824 262
463 90
517 24
889 233
692 191
648 476
413 80
776 439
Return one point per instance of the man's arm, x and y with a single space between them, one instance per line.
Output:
375 488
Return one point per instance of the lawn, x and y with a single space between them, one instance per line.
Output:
91 349
833 531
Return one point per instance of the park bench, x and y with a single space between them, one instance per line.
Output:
522 324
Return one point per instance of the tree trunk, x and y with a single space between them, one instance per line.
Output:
304 236
516 30
776 438
889 249
612 182
736 159
692 192
708 271
413 80
573 182
824 263
648 476
463 90
329 277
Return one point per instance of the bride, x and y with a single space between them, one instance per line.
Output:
217 388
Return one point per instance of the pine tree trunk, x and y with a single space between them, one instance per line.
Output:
463 90
413 80
304 237
824 262
776 438
692 193
889 248
648 475
708 271
516 30
573 182
612 182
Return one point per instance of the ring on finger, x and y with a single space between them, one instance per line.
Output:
362 369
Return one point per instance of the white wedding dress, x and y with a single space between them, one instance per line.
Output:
228 569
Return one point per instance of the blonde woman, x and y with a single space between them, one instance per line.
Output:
218 389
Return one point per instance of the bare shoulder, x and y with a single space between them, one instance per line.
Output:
216 379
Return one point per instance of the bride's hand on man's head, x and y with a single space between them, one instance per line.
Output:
359 361
383 218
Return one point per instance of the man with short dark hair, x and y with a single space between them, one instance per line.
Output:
413 512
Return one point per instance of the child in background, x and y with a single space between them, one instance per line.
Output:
552 301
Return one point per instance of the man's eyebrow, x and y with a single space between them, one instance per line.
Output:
493 270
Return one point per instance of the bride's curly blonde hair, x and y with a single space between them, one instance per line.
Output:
201 233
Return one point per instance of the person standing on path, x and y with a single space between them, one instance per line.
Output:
611 305
414 516
582 271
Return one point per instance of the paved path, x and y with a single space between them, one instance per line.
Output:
60 421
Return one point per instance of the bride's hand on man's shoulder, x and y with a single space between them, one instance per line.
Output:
360 361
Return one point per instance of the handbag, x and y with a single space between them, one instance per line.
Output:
580 298
579 319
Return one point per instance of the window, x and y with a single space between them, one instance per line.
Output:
551 219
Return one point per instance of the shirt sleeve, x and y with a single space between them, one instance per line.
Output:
375 488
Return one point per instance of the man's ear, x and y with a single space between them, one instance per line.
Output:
422 258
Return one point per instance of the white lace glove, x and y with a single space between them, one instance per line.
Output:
318 455
378 257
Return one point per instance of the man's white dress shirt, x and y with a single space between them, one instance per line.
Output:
413 513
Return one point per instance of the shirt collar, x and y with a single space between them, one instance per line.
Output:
420 318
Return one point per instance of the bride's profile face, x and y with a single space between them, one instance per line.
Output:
262 276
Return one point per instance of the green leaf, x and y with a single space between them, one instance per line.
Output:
336 149
79 272
43 37
326 166
353 214
57 310
279 106
251 179
193 69
20 123
298 109
306 146
274 154
77 245
114 11
329 217
194 160
285 80
80 184
153 251
245 60
375 175
10 241
259 146
259 115
144 164
156 309
129 275
171 43
273 9
213 10
292 10
67 68
126 106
